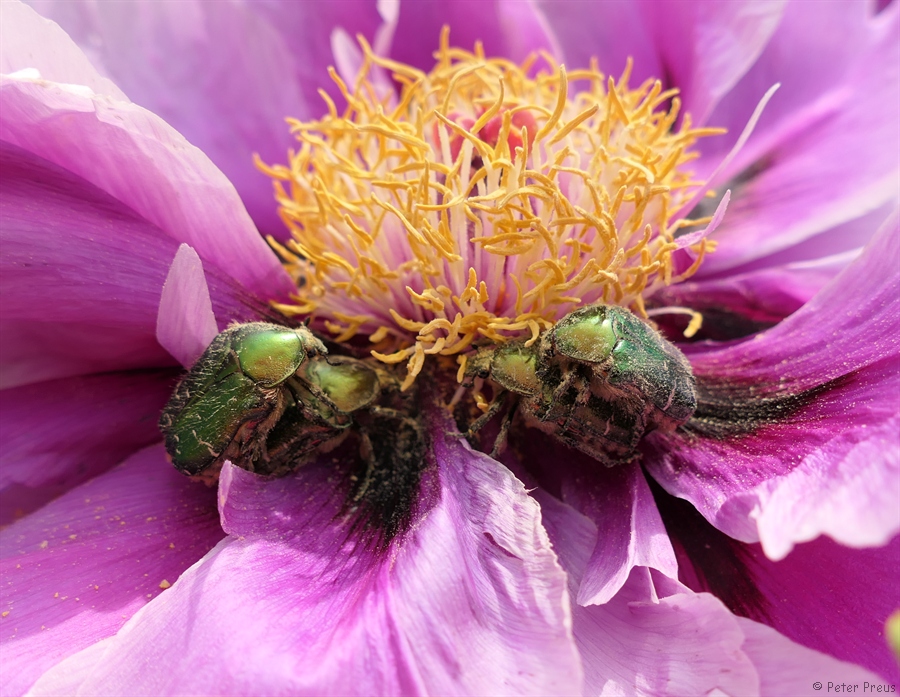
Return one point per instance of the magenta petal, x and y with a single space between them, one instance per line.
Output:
140 160
832 466
81 276
470 600
76 570
831 598
30 42
186 324
224 74
61 433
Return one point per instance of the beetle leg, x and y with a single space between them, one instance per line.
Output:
368 455
493 410
388 412
500 440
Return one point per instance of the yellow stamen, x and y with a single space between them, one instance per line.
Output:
482 204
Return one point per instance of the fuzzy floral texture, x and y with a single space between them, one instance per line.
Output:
753 552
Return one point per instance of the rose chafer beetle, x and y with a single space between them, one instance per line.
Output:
597 381
262 396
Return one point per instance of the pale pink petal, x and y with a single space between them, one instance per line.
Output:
60 433
186 324
140 160
75 571
639 643
470 600
65 677
30 42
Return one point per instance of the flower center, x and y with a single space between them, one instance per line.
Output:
484 203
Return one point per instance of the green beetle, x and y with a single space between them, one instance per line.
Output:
262 396
598 380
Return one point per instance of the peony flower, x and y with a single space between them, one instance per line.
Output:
729 557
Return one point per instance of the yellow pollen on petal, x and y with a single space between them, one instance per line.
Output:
483 203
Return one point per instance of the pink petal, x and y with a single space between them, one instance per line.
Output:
470 600
834 161
706 48
832 464
804 58
224 74
82 276
186 324
656 637
28 41
506 29
845 239
140 160
61 433
622 507
701 49
76 570
611 32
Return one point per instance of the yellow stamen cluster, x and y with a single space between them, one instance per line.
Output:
484 203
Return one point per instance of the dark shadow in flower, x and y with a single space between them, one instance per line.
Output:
385 481
709 560
726 408
720 323
358 499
